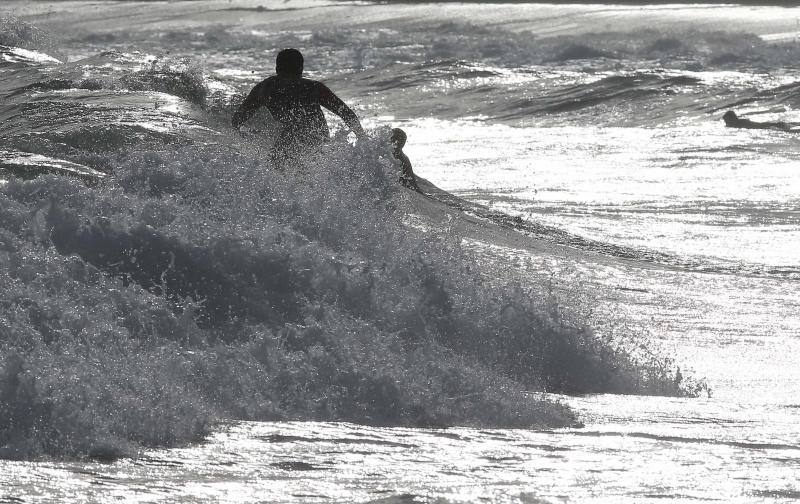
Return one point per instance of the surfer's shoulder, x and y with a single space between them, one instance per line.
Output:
265 88
316 85
268 83
322 92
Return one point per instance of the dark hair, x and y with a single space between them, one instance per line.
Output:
289 62
398 137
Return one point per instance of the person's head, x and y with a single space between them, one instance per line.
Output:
289 63
730 117
398 138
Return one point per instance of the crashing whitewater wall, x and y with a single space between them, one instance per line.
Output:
195 283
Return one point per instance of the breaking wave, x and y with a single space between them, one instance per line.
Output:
191 282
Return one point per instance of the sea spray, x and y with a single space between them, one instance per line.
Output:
15 33
406 332
197 283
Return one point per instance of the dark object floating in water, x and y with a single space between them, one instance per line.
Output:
734 121
26 165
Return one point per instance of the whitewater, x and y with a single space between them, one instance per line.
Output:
594 297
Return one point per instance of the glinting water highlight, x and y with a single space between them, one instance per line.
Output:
592 297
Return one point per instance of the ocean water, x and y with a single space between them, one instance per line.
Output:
602 306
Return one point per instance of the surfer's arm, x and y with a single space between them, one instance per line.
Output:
333 103
253 102
407 170
407 177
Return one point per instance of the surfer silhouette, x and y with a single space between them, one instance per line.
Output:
734 121
295 103
407 177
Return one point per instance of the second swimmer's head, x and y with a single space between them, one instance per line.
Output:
730 117
398 138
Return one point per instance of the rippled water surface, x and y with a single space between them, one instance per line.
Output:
597 127
631 455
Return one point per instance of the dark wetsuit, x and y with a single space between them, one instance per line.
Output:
748 124
407 177
295 104
733 121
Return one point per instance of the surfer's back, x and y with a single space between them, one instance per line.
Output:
294 103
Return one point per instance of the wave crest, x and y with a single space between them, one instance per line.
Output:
17 33
197 283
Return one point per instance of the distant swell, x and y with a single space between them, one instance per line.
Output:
614 90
